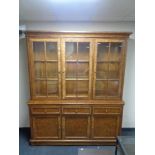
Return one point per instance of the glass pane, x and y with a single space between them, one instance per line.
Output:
101 70
51 51
102 51
38 49
71 88
83 51
101 88
71 51
82 88
83 70
113 70
52 69
52 88
115 51
39 69
71 69
40 88
113 87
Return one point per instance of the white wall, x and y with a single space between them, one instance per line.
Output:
129 84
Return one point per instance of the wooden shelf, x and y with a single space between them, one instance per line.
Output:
107 79
86 61
76 79
45 60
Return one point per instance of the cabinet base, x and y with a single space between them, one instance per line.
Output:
73 142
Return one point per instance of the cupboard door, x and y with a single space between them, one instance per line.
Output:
76 126
105 126
108 62
77 62
46 127
45 61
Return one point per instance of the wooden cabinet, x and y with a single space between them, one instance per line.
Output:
76 85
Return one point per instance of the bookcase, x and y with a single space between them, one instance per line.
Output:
76 86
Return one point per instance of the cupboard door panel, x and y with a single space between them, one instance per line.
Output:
76 127
115 51
104 126
52 70
51 51
46 127
52 88
40 88
83 51
102 51
39 50
39 69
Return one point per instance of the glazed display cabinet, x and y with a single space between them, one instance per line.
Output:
76 85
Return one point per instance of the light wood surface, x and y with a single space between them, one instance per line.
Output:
76 86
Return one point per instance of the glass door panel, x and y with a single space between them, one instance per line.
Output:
101 88
102 70
113 70
39 69
52 70
40 88
51 51
71 51
82 70
115 51
102 51
38 50
83 51
113 88
71 88
52 88
71 68
82 88
76 76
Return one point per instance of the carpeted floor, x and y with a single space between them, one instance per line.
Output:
26 149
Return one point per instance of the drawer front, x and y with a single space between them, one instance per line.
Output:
45 110
78 110
101 110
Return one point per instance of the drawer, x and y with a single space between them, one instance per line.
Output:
45 110
101 110
78 110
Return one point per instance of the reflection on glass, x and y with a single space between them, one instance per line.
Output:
102 51
83 50
115 51
40 88
71 88
71 50
51 51
113 70
52 88
82 88
38 49
113 87
39 69
83 70
101 70
71 69
52 69
101 88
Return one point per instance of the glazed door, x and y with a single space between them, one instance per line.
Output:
77 62
108 68
45 68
